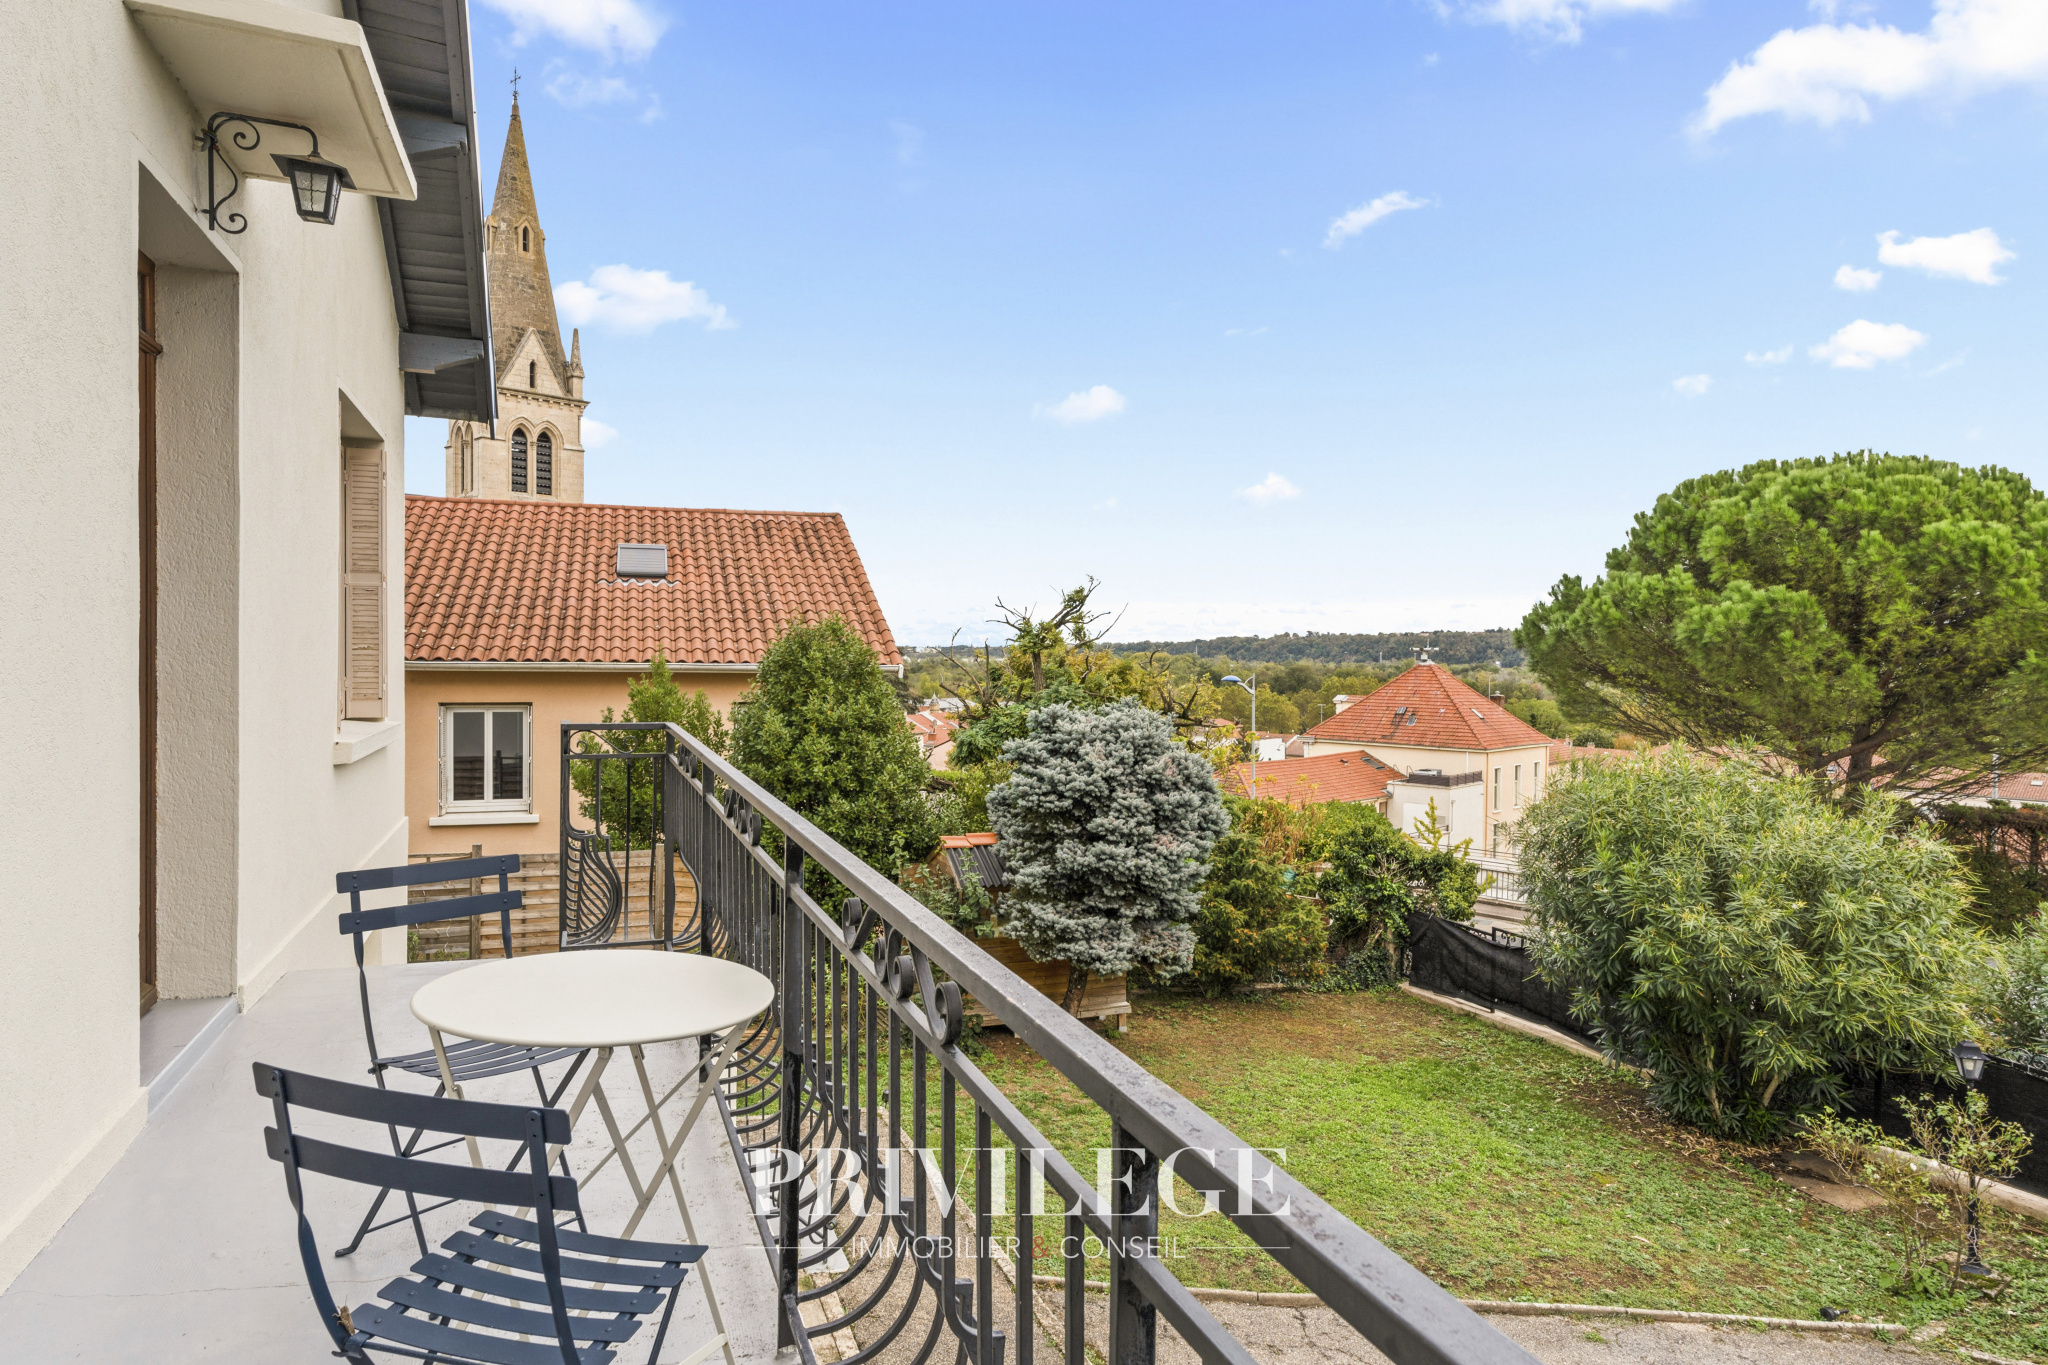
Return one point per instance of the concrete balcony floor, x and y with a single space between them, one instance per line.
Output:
187 1251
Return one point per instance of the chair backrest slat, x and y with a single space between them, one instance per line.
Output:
421 874
436 1179
469 1118
422 912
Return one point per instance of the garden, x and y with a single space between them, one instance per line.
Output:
1778 895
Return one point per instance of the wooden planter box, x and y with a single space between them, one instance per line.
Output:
1104 998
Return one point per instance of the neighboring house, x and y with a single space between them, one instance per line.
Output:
522 615
202 529
934 730
1479 763
1351 776
2017 789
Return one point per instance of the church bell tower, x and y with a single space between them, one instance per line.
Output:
537 454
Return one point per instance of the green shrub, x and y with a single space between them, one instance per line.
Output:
1741 935
1379 876
1259 919
2012 984
629 787
821 728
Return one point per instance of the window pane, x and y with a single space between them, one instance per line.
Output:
466 756
508 752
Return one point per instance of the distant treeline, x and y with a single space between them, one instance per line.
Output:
1445 646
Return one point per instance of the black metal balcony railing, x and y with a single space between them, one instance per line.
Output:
858 1118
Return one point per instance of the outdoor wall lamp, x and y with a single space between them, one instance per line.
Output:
316 183
1969 1062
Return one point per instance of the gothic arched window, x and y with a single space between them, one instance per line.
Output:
544 465
519 462
533 374
524 244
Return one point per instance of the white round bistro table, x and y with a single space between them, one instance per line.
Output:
604 1000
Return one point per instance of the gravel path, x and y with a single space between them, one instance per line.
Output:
1313 1336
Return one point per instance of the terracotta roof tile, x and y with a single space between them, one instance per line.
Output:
535 582
1437 712
1326 777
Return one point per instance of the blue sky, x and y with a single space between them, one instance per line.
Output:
1366 316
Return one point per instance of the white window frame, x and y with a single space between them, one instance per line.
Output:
449 805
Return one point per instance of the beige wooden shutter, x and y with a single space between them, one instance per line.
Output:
362 584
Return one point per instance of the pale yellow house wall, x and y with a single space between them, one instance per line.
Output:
556 696
265 334
1534 760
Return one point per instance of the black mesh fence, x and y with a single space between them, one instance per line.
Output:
2017 1091
1451 959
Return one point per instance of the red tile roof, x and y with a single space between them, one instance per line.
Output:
535 582
1326 777
1445 714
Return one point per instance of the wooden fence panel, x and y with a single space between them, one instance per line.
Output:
536 926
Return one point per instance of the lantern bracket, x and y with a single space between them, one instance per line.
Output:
215 219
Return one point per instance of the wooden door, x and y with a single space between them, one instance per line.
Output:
149 349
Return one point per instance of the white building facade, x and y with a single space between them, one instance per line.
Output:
204 677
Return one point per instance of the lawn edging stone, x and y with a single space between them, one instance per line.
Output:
1510 1308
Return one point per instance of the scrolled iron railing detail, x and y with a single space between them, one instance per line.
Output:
880 1199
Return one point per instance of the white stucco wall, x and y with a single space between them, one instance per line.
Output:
271 329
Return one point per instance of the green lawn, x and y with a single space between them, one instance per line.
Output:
1502 1166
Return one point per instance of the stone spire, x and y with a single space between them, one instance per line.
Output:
576 362
521 295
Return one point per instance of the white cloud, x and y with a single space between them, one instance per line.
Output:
1861 344
1973 256
596 433
1777 357
1692 385
1954 362
1272 488
616 28
1365 215
1244 331
1857 281
1562 20
577 90
638 300
1830 73
1089 405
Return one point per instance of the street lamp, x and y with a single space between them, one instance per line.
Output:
1970 1066
1252 689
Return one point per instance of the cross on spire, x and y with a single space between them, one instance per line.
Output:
515 85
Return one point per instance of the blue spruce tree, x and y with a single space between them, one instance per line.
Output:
1106 828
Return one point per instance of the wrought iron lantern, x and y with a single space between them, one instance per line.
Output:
1969 1062
316 186
316 183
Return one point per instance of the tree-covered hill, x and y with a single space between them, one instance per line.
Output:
1445 646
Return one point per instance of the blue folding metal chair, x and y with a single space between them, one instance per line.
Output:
468 1060
436 1313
